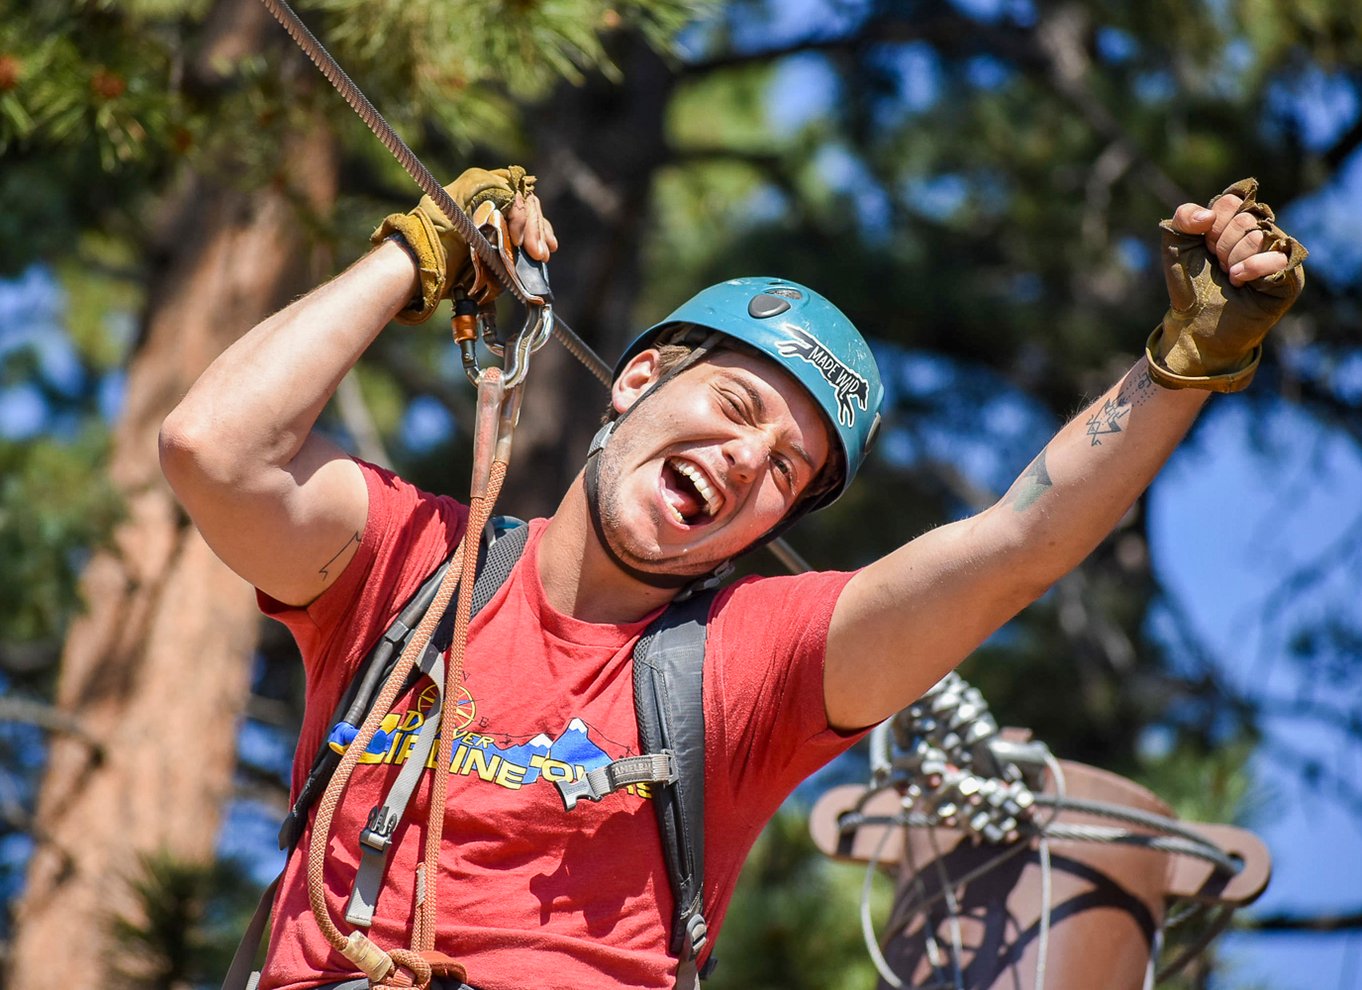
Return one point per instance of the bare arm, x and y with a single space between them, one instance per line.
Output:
907 619
283 506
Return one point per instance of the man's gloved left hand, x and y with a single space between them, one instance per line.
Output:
442 258
1231 274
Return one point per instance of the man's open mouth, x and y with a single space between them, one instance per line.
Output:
688 492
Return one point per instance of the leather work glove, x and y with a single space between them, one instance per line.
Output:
442 258
1211 337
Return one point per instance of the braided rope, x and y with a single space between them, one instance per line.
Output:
411 971
330 800
480 510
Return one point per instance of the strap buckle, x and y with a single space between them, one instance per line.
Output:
698 930
377 833
650 768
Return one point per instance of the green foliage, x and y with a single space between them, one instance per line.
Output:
186 923
100 299
56 505
470 66
69 86
101 102
1205 784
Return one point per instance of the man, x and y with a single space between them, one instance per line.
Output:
751 405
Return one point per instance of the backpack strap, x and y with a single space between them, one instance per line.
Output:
504 533
669 703
669 698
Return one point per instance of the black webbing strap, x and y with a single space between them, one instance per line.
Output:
669 700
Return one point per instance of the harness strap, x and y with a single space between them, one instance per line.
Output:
240 974
669 698
503 543
376 838
356 702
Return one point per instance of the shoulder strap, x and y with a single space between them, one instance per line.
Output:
375 840
669 700
499 550
498 553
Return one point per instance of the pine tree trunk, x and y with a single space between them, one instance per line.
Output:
157 669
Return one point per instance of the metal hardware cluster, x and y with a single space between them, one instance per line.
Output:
945 756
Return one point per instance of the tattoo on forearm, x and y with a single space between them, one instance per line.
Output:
325 572
1134 391
1106 420
1033 483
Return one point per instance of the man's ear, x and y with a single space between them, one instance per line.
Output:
635 378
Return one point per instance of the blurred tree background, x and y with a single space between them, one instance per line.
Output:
975 182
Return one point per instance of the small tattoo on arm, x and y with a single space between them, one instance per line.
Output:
1106 420
1033 483
325 572
1136 390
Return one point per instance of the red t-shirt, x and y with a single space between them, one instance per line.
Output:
532 895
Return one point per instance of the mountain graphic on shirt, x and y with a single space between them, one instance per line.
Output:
571 754
530 755
576 747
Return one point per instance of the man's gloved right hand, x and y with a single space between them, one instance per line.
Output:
442 257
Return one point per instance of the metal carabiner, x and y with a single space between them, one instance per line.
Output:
533 335
530 283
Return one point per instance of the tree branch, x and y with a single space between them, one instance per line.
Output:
1056 49
50 719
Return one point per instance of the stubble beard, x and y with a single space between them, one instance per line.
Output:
612 508
614 517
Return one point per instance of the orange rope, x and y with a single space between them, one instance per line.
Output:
401 968
480 510
326 807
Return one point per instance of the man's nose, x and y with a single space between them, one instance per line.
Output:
746 454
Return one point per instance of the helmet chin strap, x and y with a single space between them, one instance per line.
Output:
688 583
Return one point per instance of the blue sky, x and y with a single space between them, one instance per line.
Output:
1228 522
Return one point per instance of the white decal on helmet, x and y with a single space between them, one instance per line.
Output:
852 389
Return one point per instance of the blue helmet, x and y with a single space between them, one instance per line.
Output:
805 335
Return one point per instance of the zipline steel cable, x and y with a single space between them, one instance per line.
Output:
425 179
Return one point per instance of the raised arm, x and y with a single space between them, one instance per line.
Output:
907 619
280 504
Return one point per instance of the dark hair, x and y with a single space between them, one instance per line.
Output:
669 356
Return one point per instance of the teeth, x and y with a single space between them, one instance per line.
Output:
702 486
